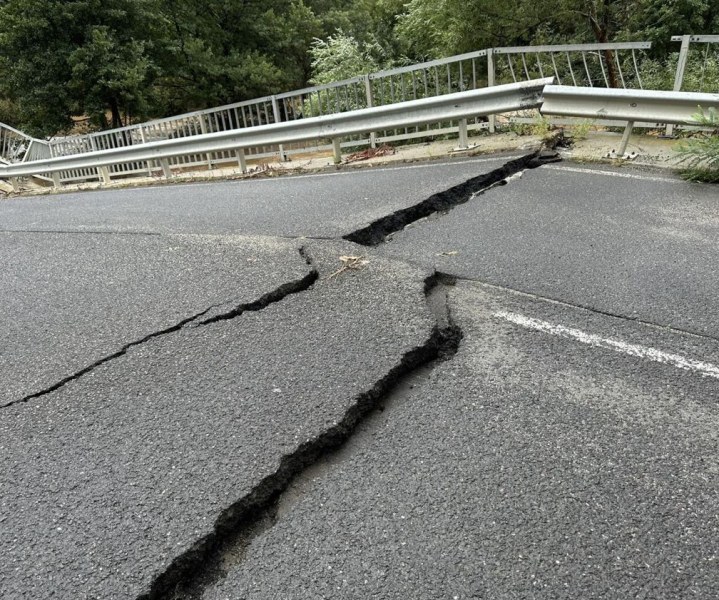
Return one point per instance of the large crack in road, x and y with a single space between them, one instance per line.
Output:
379 230
201 566
536 440
196 320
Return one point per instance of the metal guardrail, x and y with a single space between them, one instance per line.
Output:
449 107
633 106
578 64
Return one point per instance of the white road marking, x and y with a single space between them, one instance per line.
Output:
613 174
681 362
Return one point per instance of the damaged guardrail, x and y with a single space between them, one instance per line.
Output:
634 106
450 107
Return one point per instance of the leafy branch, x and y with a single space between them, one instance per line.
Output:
701 154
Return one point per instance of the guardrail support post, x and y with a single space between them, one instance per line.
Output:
278 119
679 76
166 171
337 150
490 83
463 136
105 175
144 141
370 104
101 171
56 180
240 153
203 129
625 138
15 183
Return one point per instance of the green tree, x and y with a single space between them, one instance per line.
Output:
340 57
220 52
81 57
658 20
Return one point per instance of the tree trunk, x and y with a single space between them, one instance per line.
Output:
600 26
116 116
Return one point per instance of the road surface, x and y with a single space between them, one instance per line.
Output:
210 392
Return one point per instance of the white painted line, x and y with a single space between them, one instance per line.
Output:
681 362
613 174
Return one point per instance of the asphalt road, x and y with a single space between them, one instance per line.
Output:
321 205
643 248
219 415
71 300
531 465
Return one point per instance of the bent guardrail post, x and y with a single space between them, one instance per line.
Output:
633 106
450 107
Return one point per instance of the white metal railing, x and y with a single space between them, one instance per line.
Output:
449 107
647 107
580 64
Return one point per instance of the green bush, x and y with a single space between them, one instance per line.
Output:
700 75
540 125
701 154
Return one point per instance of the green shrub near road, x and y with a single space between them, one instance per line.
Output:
701 154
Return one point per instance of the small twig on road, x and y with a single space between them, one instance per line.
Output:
349 263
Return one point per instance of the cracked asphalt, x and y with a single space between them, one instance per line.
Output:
512 398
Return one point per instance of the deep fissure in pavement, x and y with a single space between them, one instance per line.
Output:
276 295
377 232
202 565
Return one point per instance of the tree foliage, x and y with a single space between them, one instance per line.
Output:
701 154
121 60
341 57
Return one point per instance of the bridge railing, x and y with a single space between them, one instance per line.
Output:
448 107
649 108
580 64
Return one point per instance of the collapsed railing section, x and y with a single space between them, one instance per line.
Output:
14 144
580 64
